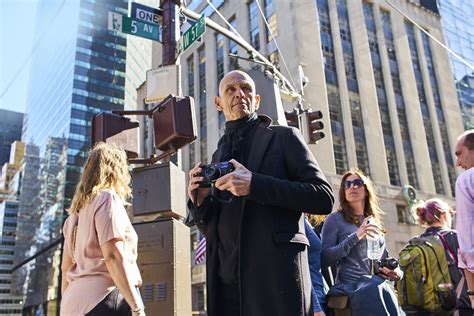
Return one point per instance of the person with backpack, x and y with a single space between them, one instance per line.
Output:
344 245
433 283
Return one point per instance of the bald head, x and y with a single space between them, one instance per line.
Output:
235 74
464 150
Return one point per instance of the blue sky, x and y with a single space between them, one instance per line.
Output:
17 20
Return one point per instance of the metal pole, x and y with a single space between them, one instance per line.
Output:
169 32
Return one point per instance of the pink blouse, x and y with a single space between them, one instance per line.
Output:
89 281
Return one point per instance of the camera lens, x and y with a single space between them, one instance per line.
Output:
212 173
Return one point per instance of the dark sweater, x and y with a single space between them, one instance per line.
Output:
231 213
342 248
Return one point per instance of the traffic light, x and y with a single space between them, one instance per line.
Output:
115 129
292 118
314 126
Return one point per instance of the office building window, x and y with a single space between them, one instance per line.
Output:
402 214
219 57
334 102
439 112
192 146
220 75
400 102
270 16
337 126
233 62
254 25
345 34
202 103
381 94
359 133
424 109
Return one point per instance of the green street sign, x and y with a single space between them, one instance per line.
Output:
193 33
120 23
141 29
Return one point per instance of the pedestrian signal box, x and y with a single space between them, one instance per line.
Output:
292 118
118 130
173 122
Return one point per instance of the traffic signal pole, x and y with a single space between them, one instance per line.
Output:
170 31
159 200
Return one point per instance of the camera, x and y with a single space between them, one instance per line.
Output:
214 171
390 263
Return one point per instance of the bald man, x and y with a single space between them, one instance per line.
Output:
464 152
253 217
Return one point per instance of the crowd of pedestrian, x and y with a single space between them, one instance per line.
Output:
266 255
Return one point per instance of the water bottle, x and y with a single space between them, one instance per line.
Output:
374 244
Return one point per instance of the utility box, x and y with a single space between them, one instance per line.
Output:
152 188
165 265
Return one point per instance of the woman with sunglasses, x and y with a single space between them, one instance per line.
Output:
345 232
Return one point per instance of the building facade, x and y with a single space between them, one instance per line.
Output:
9 178
458 28
9 304
385 89
78 70
10 184
10 131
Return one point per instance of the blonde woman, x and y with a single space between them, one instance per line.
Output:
100 275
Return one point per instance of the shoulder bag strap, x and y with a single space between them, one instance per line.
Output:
448 249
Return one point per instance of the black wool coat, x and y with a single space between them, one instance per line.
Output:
274 276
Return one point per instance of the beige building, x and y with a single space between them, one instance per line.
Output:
9 177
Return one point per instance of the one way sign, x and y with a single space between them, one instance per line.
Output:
119 23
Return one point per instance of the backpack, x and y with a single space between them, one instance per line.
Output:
426 282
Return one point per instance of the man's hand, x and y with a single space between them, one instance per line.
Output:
236 182
392 275
194 181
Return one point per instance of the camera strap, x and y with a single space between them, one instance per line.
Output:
213 198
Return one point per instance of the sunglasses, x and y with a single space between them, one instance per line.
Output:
356 182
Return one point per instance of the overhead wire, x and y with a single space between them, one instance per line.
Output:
430 36
224 19
240 36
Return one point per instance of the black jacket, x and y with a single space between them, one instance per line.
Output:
273 268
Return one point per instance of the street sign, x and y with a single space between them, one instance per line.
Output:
193 33
146 13
120 23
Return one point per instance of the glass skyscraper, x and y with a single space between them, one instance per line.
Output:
458 28
10 130
78 70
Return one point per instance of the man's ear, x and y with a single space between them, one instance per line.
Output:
217 102
257 102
